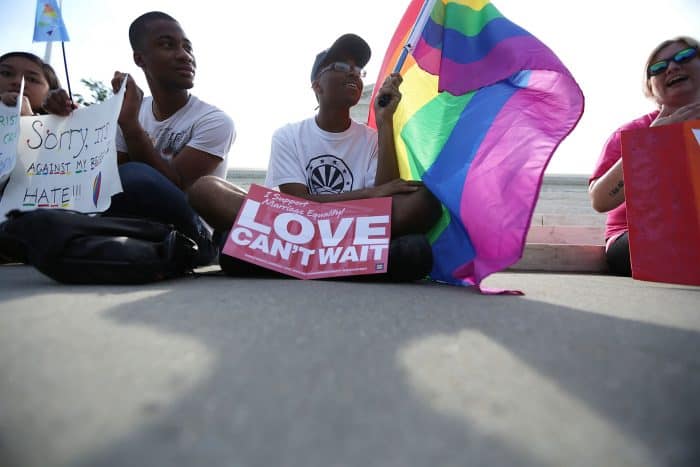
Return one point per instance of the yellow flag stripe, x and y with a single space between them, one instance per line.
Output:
418 88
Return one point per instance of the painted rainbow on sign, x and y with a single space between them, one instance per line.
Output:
96 187
485 104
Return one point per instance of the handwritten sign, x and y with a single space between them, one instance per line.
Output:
311 240
9 129
66 162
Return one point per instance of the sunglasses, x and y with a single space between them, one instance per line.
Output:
682 56
343 68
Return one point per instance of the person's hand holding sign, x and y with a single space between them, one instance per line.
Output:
395 187
132 99
685 113
10 100
58 102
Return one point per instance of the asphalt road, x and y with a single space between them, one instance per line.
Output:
212 371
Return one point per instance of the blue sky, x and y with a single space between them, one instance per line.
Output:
254 58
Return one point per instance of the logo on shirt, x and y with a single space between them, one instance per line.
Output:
169 142
328 175
174 142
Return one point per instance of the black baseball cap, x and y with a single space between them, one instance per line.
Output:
346 45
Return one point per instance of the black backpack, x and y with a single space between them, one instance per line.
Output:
76 248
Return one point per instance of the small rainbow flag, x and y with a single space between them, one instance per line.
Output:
485 104
48 24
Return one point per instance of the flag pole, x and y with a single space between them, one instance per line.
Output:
421 19
65 63
65 66
47 53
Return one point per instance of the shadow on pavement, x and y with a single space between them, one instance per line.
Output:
310 374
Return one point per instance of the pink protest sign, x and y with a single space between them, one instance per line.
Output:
311 240
662 190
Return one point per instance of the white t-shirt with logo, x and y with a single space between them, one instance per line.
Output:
197 124
327 163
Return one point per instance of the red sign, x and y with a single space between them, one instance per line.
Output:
311 240
662 190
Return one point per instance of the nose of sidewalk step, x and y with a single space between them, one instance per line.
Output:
552 257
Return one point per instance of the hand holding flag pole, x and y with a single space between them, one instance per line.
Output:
49 27
422 18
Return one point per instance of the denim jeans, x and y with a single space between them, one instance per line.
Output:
151 195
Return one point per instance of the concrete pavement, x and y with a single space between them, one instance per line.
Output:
583 370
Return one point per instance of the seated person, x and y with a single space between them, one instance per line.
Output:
672 81
168 141
39 80
330 158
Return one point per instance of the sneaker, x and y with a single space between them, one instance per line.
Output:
410 258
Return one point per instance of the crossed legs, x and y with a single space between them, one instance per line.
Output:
413 214
218 202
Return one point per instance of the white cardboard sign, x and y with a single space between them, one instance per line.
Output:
9 130
66 162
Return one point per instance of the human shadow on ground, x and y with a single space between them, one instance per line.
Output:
21 280
306 374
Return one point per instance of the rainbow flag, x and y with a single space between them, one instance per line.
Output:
48 22
485 104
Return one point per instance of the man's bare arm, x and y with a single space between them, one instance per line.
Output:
387 165
189 165
387 189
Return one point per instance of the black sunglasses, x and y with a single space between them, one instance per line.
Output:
343 68
682 56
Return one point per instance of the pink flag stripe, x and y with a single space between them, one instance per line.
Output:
505 59
505 177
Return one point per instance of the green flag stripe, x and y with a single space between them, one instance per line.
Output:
440 226
462 18
425 134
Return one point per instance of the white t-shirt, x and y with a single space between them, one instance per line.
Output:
198 125
325 162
